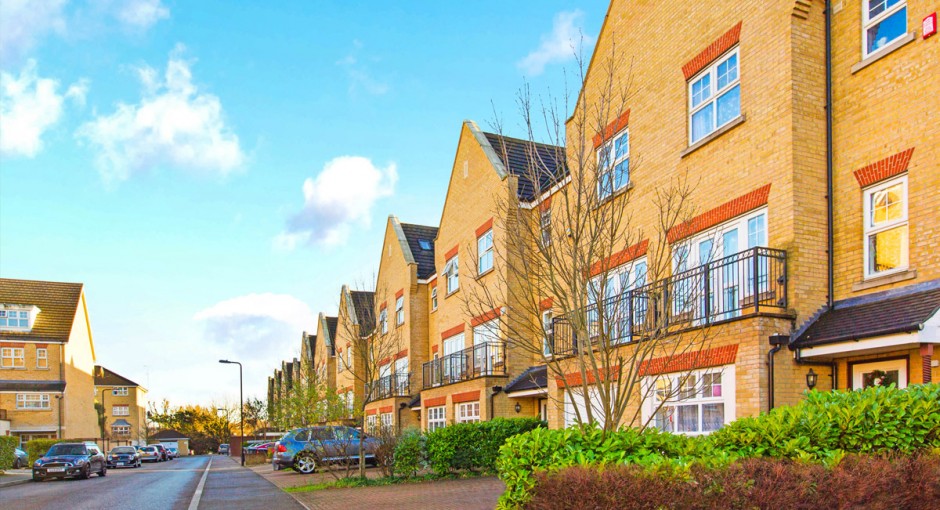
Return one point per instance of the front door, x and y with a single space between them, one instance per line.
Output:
880 373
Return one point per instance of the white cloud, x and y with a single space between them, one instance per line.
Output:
558 46
173 124
142 13
360 78
24 22
341 196
247 323
29 106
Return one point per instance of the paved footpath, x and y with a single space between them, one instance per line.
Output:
465 494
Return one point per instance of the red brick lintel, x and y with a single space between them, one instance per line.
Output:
713 51
720 214
884 169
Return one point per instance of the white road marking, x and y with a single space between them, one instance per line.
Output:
194 503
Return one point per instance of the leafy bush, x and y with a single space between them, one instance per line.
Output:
385 450
410 454
473 446
858 481
824 427
36 448
7 454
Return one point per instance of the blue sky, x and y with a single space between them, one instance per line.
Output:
214 171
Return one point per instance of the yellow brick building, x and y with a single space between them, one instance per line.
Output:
125 408
47 361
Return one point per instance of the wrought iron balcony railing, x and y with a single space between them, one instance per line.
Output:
394 385
481 360
749 282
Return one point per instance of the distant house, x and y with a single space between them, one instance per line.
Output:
171 438
47 359
125 407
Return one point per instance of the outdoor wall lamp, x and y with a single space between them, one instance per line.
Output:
518 407
811 378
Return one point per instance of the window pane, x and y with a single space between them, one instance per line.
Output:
702 122
729 105
887 204
622 146
713 417
622 174
688 418
701 90
887 250
894 26
727 72
876 7
757 231
664 419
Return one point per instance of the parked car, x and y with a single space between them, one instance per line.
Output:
259 448
70 460
164 456
172 451
123 456
307 448
223 449
149 454
20 459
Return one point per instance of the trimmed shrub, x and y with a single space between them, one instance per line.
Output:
36 448
474 446
410 454
7 454
860 481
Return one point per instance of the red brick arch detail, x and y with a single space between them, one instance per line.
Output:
884 169
486 317
713 51
706 358
575 379
482 229
460 328
612 129
720 214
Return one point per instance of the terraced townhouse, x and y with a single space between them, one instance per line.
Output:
356 320
125 407
47 361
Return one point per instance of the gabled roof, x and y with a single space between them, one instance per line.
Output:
58 303
902 310
105 377
364 306
527 160
534 378
329 336
416 236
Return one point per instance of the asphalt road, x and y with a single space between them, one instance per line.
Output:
158 486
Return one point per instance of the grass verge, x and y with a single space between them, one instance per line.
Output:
346 483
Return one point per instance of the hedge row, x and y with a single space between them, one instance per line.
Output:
36 448
7 453
823 427
859 481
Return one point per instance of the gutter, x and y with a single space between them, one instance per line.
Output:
829 164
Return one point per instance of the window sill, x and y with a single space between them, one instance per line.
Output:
484 273
718 132
877 281
615 194
451 293
878 55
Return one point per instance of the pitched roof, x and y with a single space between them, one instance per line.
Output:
167 434
121 423
364 305
21 385
310 345
415 234
902 310
105 377
527 160
57 302
534 378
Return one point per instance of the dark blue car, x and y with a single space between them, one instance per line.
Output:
70 460
308 448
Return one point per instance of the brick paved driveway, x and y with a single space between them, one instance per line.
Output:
467 494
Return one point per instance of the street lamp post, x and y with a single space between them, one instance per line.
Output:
241 405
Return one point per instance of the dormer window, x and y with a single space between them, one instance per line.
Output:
18 318
424 244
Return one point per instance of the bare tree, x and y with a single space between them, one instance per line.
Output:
614 285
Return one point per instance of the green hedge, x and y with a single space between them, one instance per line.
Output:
474 446
823 427
36 448
410 453
7 453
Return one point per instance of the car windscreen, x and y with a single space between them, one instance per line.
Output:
67 449
148 449
124 449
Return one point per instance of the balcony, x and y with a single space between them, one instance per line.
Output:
481 360
721 290
395 385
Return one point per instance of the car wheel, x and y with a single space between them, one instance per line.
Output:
37 478
305 464
103 472
85 473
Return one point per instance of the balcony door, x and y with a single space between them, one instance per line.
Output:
452 364
401 376
487 349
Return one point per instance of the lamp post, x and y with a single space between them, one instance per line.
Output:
241 405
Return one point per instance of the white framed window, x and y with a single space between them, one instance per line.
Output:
385 370
12 357
42 358
548 341
14 319
120 391
121 430
696 402
401 366
576 404
121 410
349 357
386 419
399 310
34 401
434 298
714 96
883 22
468 412
879 373
451 273
370 423
485 252
545 227
613 164
452 367
341 365
383 320
608 294
437 418
350 402
886 228
486 360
